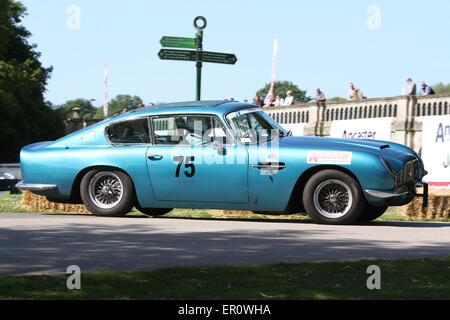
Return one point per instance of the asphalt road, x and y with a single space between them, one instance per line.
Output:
48 244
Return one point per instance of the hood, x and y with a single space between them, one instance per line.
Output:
335 143
396 154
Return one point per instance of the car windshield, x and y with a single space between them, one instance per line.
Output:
254 125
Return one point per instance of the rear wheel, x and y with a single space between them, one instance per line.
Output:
371 212
333 197
107 193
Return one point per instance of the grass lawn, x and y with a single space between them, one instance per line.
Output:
400 279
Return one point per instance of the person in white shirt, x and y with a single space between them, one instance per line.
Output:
289 99
279 101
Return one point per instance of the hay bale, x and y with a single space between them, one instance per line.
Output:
438 206
31 201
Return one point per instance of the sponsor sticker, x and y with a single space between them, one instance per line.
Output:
329 157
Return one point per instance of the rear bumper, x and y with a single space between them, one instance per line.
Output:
403 192
35 186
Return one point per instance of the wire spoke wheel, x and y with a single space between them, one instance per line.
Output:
105 190
333 198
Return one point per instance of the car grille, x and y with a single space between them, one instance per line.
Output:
408 173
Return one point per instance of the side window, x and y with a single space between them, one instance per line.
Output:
129 132
188 130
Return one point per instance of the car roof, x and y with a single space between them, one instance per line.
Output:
217 107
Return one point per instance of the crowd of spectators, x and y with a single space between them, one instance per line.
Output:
354 93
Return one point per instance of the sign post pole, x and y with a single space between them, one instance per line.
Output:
199 24
199 41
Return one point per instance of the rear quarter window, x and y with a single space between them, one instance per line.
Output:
129 132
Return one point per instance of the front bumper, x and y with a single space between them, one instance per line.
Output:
403 192
35 186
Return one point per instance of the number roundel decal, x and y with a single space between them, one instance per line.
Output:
188 165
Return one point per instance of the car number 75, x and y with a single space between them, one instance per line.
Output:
188 165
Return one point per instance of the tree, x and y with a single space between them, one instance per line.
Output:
121 102
281 87
441 88
87 110
24 115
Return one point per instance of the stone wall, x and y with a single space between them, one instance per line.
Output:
76 122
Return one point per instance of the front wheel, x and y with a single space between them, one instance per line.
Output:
333 197
107 193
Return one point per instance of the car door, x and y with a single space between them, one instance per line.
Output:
193 159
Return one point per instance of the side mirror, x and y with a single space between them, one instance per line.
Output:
219 148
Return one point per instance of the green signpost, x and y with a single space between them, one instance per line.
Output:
199 56
178 42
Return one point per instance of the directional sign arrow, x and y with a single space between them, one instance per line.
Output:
183 55
178 42
218 57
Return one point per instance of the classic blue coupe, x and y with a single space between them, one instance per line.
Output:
219 155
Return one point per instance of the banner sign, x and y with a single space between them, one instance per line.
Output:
373 129
436 149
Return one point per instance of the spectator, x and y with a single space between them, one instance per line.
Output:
354 93
426 89
289 99
140 104
257 100
320 96
270 102
412 87
279 101
150 104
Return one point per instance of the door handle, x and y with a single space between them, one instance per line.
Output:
154 157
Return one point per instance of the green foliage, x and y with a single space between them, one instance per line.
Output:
441 88
87 110
121 102
280 88
24 115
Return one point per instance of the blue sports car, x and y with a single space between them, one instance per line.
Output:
220 155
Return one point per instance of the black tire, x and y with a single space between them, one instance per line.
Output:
153 212
108 193
371 212
333 197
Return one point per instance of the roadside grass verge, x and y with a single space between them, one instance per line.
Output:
11 203
400 279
